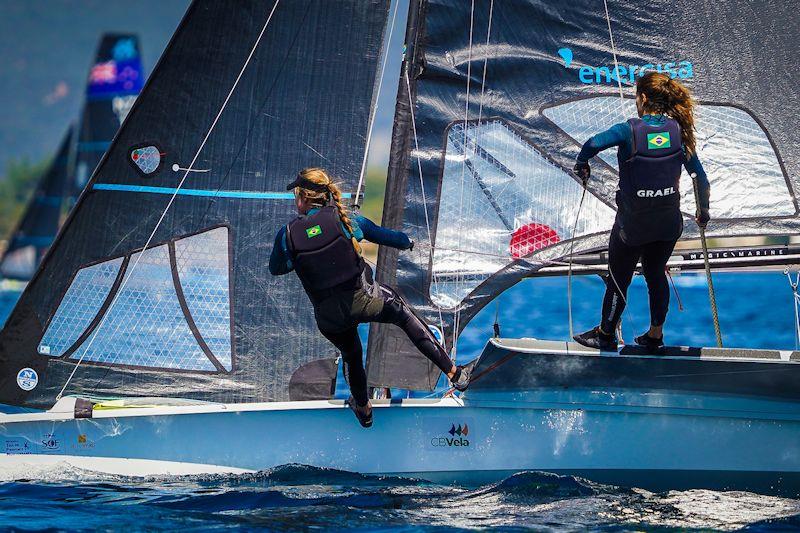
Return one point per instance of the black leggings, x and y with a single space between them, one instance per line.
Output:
622 260
395 311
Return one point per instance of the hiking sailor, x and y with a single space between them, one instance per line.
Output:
321 246
651 151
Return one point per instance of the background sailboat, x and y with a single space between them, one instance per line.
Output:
114 80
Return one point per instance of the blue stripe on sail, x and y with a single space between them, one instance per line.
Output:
95 146
254 195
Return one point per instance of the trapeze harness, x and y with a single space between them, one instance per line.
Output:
322 254
341 289
649 220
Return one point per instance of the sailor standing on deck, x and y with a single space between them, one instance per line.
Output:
321 246
651 151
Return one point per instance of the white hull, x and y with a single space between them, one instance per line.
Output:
640 439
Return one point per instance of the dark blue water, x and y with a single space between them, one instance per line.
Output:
757 311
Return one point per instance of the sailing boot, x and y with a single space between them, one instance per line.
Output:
363 412
649 342
594 338
462 377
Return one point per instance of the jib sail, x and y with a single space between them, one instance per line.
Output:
39 223
159 282
497 98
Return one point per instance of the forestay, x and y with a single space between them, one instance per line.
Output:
158 283
498 98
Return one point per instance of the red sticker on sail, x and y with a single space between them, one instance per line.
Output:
530 238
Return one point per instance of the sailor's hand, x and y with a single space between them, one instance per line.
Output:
410 246
702 218
583 171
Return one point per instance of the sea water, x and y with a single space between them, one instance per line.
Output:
757 311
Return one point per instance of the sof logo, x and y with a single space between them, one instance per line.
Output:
458 437
625 73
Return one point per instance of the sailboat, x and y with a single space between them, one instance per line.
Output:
114 81
154 341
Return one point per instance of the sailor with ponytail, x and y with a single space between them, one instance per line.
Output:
651 151
322 247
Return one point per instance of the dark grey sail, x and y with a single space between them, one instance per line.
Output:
115 79
244 96
504 93
39 223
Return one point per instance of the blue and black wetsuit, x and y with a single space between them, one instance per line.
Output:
649 221
319 248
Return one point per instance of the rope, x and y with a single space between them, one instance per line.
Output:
674 289
457 309
711 295
614 53
793 285
422 187
129 273
372 117
569 269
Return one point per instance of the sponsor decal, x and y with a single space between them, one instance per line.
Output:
657 141
27 379
124 49
737 254
650 193
44 349
450 436
17 447
146 159
82 443
313 231
611 74
50 443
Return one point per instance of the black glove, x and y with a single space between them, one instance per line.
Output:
583 171
702 218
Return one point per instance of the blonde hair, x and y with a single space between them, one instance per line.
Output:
332 194
670 97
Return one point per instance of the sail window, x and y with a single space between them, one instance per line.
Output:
202 265
733 147
502 200
80 305
146 326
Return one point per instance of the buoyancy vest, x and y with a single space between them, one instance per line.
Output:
322 253
648 199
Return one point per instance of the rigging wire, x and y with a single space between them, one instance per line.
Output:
371 128
422 187
457 309
569 268
793 284
129 274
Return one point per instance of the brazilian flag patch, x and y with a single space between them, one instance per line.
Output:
658 140
313 231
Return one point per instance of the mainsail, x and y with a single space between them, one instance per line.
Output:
39 223
495 100
158 284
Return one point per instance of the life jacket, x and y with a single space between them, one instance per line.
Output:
322 253
648 199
